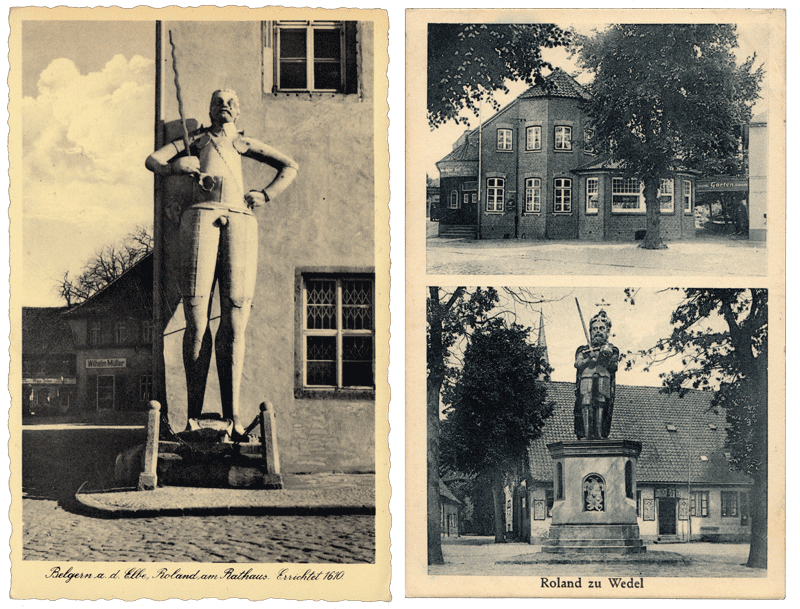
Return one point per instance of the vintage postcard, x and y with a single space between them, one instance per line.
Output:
605 418
199 304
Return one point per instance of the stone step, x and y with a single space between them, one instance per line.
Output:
457 231
591 542
594 531
638 549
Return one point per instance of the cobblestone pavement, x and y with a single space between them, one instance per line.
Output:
709 256
57 460
52 533
480 556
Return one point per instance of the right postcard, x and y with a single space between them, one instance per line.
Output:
603 242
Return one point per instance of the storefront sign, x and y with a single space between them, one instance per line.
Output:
41 381
112 362
723 184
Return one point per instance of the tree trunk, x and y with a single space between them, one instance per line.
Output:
435 556
758 523
499 508
652 240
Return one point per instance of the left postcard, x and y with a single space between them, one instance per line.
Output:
199 303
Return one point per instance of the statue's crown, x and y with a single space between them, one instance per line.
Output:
601 316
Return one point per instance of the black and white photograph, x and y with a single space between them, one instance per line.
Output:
584 438
202 311
580 147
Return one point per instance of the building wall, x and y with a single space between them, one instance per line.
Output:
758 159
325 220
713 527
450 522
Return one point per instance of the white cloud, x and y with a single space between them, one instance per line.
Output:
85 138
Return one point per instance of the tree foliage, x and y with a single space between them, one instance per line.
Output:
720 336
470 62
496 406
665 95
106 265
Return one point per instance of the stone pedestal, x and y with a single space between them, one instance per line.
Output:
594 508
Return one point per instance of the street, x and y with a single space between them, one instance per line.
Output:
706 256
57 459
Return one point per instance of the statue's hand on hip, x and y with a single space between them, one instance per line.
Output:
255 198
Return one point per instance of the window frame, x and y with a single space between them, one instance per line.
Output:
94 332
640 208
454 200
729 504
120 332
565 190
671 194
338 275
562 142
533 195
145 387
596 209
533 129
688 199
310 60
495 193
506 142
703 501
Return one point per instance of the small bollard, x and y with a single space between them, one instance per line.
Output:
269 447
148 479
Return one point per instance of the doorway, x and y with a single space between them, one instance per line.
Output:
668 516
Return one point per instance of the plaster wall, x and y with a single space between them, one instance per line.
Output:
324 220
759 167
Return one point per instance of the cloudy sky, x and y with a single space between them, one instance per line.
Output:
88 95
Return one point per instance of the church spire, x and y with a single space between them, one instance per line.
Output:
542 344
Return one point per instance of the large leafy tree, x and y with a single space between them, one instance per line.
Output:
720 336
665 95
452 316
470 62
496 407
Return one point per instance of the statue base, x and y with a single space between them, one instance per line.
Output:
594 508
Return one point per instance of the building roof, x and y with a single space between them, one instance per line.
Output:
447 493
45 332
608 163
468 151
557 84
642 414
132 291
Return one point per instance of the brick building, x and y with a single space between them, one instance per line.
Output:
531 172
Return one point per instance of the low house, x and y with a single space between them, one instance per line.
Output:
685 486
451 508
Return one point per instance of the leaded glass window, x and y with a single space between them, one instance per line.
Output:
339 331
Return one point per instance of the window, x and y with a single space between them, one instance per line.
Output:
666 196
638 503
730 503
145 387
147 330
562 202
474 197
120 332
466 198
533 138
698 504
563 139
504 139
338 331
94 332
316 56
592 194
533 195
453 199
626 195
495 192
629 479
687 197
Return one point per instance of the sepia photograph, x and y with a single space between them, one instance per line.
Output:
636 149
201 344
577 437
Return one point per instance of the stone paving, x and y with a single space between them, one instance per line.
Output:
481 556
712 256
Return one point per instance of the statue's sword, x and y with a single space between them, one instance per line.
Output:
180 98
583 323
